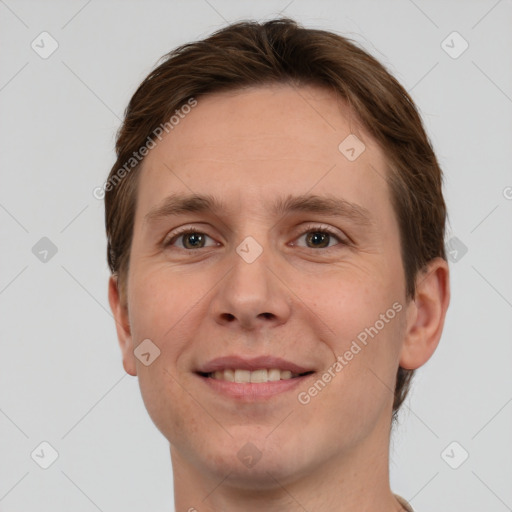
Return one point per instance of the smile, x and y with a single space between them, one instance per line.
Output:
248 388
257 376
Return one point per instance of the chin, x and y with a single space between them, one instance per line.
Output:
264 475
258 464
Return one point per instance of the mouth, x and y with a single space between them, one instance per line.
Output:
259 376
252 379
257 386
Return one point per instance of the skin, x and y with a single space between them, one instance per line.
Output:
295 301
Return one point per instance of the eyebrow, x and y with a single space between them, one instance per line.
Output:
177 204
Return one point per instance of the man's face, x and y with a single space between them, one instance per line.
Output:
305 298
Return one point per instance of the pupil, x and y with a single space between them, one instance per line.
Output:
318 237
194 236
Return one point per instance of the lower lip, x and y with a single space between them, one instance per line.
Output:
251 391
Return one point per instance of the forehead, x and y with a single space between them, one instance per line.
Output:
267 138
273 117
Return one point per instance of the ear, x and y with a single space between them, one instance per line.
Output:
426 314
120 312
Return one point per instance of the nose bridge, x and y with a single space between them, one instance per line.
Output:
251 277
253 242
251 292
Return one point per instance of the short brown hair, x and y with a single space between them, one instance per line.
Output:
249 53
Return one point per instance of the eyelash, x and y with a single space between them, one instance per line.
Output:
310 229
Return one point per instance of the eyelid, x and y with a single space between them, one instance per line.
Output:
318 226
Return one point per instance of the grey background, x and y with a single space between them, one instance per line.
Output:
61 377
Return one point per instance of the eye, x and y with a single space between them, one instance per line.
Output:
320 236
191 238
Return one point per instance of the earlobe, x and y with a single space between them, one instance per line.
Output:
120 312
426 315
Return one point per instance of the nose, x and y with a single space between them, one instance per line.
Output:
252 294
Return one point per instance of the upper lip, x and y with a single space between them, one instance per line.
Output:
252 364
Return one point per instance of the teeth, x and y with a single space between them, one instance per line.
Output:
259 376
245 376
242 376
274 374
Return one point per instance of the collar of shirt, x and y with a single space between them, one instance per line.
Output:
404 503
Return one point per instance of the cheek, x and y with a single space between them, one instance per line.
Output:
154 315
157 303
168 403
365 319
359 389
351 300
